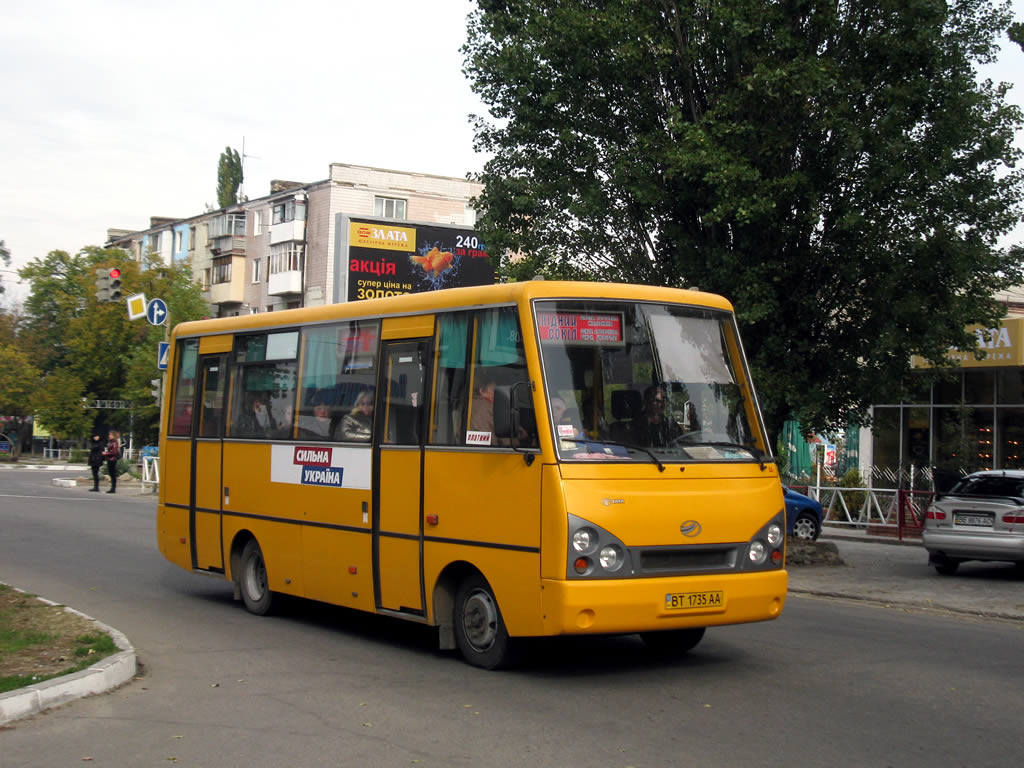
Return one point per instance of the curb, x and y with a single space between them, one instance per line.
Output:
126 485
104 675
918 605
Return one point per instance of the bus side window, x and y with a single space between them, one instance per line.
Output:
184 387
451 385
498 361
339 365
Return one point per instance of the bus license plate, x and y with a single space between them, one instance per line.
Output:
685 600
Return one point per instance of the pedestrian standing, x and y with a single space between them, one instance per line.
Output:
96 449
112 453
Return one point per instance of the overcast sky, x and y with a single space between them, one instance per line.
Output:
113 111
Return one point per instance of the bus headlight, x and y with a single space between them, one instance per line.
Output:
584 540
774 535
594 553
611 558
756 552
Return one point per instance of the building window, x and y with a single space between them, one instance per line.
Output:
389 207
221 270
254 310
154 242
206 279
257 223
288 210
256 270
286 257
177 240
191 238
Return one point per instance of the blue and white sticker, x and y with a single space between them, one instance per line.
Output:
329 466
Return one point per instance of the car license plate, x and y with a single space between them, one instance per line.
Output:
982 521
686 600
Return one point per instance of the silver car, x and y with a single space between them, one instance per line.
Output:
980 518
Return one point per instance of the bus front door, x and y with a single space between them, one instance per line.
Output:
207 451
398 477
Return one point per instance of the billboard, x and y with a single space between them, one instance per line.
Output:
390 258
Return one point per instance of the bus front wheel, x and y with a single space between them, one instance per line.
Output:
672 642
252 580
479 629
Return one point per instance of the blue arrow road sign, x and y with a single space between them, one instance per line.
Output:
156 311
161 355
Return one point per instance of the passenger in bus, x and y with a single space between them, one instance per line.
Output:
653 427
482 407
318 426
481 418
256 420
557 409
357 426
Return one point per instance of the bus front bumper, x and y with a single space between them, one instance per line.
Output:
617 606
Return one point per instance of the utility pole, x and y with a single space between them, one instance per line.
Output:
241 187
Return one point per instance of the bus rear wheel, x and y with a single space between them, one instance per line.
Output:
480 631
252 580
673 642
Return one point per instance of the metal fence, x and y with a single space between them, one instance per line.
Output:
881 511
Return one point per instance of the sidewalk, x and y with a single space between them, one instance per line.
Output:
881 569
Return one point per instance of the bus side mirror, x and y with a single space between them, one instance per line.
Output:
514 416
503 419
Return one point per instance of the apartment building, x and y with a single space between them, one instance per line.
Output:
290 247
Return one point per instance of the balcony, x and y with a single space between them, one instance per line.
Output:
287 231
228 283
282 283
227 245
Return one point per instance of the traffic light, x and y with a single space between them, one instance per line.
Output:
155 392
115 284
108 284
102 284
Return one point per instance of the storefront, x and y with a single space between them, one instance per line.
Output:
963 418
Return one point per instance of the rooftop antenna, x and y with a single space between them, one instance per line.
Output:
241 187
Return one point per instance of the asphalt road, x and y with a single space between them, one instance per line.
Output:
834 682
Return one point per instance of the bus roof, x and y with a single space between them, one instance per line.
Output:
451 299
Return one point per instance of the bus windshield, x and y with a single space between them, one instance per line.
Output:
630 381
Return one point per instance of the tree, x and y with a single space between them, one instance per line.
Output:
95 345
59 292
834 169
19 381
61 406
229 177
5 260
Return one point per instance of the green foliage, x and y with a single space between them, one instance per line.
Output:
60 407
834 169
854 499
95 347
19 380
5 260
229 177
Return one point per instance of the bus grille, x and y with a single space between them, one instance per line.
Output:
687 560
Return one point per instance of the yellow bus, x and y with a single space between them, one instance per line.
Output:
503 462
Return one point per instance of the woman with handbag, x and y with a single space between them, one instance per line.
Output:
111 454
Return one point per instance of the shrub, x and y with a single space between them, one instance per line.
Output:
854 499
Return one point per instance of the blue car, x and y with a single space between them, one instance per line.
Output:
803 515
